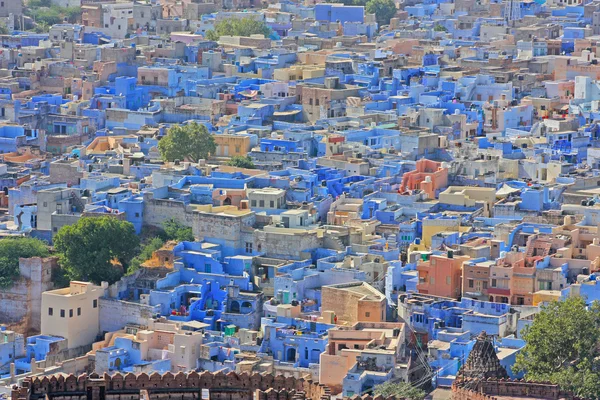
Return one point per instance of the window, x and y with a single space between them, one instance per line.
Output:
95 303
71 313
78 311
137 215
367 314
50 311
493 283
272 204
431 280
448 280
317 102
470 283
248 247
520 301
485 284
261 203
45 204
62 313
253 203
356 346
310 102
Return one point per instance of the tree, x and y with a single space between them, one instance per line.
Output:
440 28
3 29
238 27
90 249
241 162
47 16
145 254
399 390
175 231
39 3
350 2
562 347
187 142
384 10
13 249
72 14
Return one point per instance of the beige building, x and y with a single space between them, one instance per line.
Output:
232 145
266 198
354 302
73 313
469 196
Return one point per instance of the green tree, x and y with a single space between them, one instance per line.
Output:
3 29
145 254
241 162
350 2
47 16
72 14
39 3
90 248
187 142
384 10
238 27
400 390
562 347
440 28
173 230
13 249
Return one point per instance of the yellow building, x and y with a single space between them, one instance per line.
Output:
433 226
545 296
469 196
232 145
73 313
299 72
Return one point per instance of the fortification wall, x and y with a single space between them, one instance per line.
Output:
491 389
184 386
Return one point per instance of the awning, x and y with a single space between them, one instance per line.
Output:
505 190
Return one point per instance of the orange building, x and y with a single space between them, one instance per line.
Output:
441 275
429 176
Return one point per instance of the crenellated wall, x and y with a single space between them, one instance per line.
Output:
492 389
181 386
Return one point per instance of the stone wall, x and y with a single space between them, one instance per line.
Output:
115 314
493 388
230 386
22 302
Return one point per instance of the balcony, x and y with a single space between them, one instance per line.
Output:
499 291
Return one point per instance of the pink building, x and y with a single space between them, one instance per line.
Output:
428 176
441 275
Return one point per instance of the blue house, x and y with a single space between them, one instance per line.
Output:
294 341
